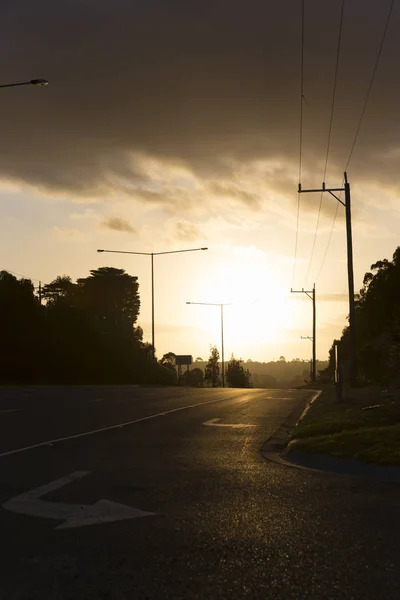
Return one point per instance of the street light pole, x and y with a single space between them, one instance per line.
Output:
37 82
222 345
152 305
152 255
221 305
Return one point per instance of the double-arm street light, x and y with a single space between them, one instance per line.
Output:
38 82
153 254
221 305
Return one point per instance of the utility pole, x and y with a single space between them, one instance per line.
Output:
308 337
338 370
311 295
222 346
350 271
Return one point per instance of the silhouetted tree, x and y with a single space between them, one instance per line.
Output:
20 329
236 375
377 324
111 296
60 290
211 374
83 333
169 361
196 377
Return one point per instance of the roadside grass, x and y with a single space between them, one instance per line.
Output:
351 429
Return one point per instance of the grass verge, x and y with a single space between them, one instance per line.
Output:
352 429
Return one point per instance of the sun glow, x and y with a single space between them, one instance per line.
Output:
258 308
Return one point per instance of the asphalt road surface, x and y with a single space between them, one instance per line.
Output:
142 493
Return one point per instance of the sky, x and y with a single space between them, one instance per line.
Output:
175 125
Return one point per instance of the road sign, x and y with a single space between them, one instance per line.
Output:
73 515
183 359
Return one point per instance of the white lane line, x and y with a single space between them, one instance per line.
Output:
93 431
9 410
214 423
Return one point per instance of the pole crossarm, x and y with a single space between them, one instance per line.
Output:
309 293
323 189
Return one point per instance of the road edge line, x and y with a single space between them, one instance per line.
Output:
103 429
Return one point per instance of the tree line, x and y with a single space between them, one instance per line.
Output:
278 374
76 332
236 376
377 320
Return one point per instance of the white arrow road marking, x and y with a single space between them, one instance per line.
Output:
73 515
214 423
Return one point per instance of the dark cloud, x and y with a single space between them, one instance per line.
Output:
229 190
117 224
188 232
211 85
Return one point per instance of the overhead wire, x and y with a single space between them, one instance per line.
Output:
329 242
382 41
300 137
329 134
20 275
371 83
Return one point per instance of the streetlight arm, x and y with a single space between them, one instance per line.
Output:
39 82
212 303
124 252
152 253
177 251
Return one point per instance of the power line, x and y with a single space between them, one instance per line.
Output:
329 133
382 41
329 242
19 275
330 235
301 90
334 89
371 82
300 136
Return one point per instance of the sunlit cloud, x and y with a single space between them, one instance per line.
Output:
66 234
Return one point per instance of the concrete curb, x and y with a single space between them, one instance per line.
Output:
277 450
277 443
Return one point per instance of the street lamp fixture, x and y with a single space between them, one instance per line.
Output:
221 305
37 82
152 255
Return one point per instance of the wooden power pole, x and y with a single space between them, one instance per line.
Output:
350 271
311 294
